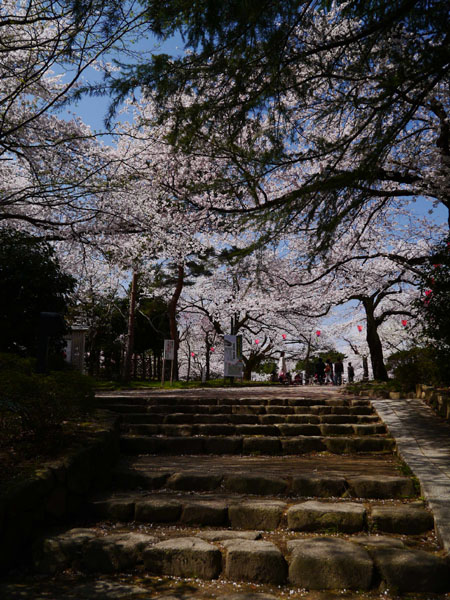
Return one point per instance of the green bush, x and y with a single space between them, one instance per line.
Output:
32 403
413 366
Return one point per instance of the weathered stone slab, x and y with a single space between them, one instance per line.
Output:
291 429
303 419
271 419
257 561
410 520
180 418
360 410
247 596
261 445
319 516
247 410
302 445
321 486
256 515
363 429
228 534
117 552
223 445
115 508
204 512
184 557
177 430
180 445
308 410
157 510
255 484
142 429
380 486
57 552
138 444
216 429
281 410
245 419
194 481
339 445
329 563
377 541
143 418
412 570
336 429
127 478
265 429
338 419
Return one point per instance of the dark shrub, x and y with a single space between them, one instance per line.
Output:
31 403
417 365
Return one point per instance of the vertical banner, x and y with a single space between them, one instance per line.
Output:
232 356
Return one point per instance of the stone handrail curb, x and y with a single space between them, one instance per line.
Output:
57 491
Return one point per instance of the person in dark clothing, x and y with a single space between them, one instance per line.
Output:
350 372
320 370
338 370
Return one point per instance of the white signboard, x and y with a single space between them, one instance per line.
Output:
232 356
169 349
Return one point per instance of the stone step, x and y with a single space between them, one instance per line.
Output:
267 445
284 429
241 512
209 419
313 563
225 409
230 401
322 485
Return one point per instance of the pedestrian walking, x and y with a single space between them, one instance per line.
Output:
350 372
338 370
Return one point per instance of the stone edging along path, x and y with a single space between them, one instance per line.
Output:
423 441
57 491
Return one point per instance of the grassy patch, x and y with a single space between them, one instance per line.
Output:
178 385
380 388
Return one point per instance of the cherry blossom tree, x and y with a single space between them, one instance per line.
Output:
316 112
51 167
378 269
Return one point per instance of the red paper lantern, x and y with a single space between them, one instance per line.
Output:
359 327
318 332
256 342
192 354
284 336
437 266
404 322
212 349
427 292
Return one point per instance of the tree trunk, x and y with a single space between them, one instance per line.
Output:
188 376
130 336
208 357
374 342
172 313
365 368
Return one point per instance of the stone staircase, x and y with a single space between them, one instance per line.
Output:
269 492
